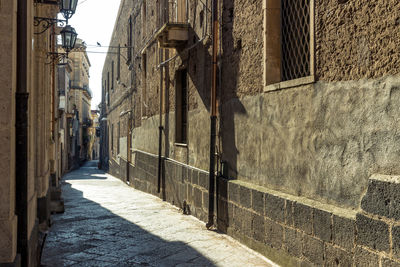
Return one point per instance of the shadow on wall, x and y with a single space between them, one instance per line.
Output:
198 62
230 102
89 231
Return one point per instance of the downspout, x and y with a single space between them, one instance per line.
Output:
160 127
213 118
21 132
128 149
53 89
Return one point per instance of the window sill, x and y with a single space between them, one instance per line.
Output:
181 145
289 84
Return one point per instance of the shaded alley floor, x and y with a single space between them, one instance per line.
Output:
107 223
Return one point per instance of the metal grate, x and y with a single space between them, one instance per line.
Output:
295 39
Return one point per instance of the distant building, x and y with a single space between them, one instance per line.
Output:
64 82
79 97
94 134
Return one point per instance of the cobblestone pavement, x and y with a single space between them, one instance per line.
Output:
107 223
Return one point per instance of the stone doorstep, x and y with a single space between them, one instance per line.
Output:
57 206
15 263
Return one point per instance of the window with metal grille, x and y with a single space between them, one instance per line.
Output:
112 75
144 85
144 15
129 41
119 134
108 88
295 36
181 107
112 138
119 62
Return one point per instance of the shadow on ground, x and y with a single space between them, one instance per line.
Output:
88 234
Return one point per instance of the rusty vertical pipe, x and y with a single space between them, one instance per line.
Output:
161 128
213 118
53 86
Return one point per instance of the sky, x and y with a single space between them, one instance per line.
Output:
94 22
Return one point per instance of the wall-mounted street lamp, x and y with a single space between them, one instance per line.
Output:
68 37
67 8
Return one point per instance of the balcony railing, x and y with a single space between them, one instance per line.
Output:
174 26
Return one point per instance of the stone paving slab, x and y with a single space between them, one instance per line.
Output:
107 223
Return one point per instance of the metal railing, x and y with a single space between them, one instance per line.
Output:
173 11
295 39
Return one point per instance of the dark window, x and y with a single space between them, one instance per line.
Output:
112 75
112 138
119 132
181 107
108 88
129 41
104 93
119 63
295 32
144 14
144 84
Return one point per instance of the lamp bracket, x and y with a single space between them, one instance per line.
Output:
59 57
47 23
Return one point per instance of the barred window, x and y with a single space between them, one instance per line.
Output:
129 41
144 18
112 76
288 42
108 88
119 134
112 138
144 85
295 36
119 62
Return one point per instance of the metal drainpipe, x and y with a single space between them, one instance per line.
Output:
21 133
213 118
53 89
161 128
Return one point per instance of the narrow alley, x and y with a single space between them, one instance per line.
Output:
107 223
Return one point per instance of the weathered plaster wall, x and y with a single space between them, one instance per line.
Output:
323 145
196 153
8 220
321 141
358 39
242 48
145 138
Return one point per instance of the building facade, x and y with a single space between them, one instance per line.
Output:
80 97
65 114
306 146
31 143
94 132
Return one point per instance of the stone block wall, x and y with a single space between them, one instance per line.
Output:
290 230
